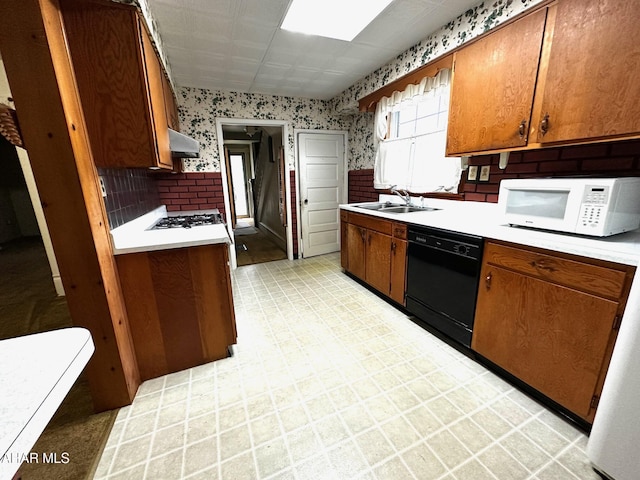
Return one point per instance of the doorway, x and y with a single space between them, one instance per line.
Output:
257 197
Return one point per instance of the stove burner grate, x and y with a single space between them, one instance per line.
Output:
188 221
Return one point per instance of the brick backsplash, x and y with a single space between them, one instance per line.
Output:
361 186
620 159
191 191
131 192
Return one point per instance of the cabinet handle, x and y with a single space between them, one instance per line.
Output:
542 265
393 247
487 281
544 124
363 234
522 129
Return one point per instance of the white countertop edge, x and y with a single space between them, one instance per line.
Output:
78 339
484 220
135 236
168 246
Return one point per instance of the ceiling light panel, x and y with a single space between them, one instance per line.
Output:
332 18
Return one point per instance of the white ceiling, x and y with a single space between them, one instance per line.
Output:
237 45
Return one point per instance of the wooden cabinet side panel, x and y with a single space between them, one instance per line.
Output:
551 337
107 61
157 106
398 270
493 87
177 312
344 242
592 87
173 119
140 300
214 307
378 261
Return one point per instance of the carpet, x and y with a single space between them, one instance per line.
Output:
29 304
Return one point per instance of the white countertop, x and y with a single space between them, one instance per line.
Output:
37 372
134 236
484 219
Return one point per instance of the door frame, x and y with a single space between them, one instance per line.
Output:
220 121
345 182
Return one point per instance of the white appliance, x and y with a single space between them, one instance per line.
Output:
588 206
615 436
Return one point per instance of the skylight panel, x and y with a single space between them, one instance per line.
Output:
339 19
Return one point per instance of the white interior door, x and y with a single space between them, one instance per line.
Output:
321 175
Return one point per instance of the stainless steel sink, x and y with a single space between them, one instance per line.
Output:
379 206
406 209
389 207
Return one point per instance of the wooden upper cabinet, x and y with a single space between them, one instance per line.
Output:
493 87
591 88
120 82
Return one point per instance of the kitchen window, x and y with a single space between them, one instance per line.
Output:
411 133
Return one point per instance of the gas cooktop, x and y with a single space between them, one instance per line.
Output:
187 221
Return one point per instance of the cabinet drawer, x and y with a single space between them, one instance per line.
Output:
372 223
400 230
595 279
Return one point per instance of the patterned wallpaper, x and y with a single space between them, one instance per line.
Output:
199 108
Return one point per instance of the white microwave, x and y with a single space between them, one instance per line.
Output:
588 206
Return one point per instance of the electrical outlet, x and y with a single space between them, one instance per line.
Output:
103 188
484 173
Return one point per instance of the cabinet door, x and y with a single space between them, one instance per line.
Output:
591 88
378 261
356 237
124 113
493 87
553 338
398 270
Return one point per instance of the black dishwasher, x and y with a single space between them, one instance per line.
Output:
443 270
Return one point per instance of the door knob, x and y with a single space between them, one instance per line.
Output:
306 200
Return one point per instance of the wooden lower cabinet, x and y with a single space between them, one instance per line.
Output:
375 250
550 320
180 307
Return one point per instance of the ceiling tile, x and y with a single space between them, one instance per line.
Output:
237 45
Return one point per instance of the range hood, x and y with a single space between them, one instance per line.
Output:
183 146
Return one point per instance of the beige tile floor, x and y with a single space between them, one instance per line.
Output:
328 381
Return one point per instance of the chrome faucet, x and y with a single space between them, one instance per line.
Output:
403 194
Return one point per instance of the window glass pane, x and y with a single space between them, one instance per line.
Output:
407 112
406 129
429 106
427 124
